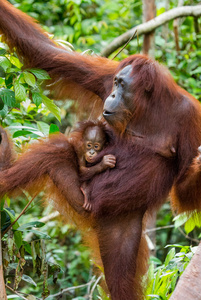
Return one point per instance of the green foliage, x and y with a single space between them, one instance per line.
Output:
54 258
85 23
189 220
163 278
22 98
102 293
184 63
40 267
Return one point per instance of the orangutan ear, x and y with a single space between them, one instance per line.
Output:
149 77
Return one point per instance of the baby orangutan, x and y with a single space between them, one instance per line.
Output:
94 140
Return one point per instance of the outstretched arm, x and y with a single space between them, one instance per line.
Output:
94 74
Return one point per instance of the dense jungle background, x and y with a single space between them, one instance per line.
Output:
43 257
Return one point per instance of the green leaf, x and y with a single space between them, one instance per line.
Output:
53 128
2 202
2 75
3 46
37 98
21 133
189 225
1 104
160 11
17 234
102 293
193 221
157 280
30 129
40 74
9 80
31 225
52 107
41 235
12 218
155 260
29 78
180 219
18 238
3 218
27 247
28 279
8 97
4 63
196 71
16 62
170 255
43 127
20 92
4 112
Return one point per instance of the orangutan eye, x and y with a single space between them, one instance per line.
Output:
121 82
88 145
97 147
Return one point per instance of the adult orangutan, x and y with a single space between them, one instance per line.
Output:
157 132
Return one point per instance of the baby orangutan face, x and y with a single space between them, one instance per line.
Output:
94 140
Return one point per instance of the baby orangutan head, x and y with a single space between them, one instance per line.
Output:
94 140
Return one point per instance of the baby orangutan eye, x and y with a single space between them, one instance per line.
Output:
97 147
89 145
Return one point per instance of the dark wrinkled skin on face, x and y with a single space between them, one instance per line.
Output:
119 104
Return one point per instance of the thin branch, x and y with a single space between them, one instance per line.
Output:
22 212
125 45
67 290
172 226
94 286
15 292
159 228
178 12
188 237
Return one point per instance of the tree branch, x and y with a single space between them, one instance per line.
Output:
22 212
15 292
67 290
178 12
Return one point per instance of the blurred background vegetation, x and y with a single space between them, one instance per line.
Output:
44 257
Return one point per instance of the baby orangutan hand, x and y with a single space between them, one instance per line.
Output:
108 161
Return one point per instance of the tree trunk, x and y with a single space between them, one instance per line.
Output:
3 295
149 12
189 287
165 30
176 28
